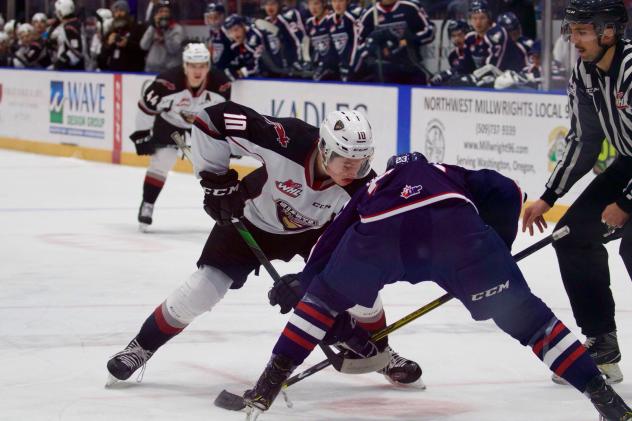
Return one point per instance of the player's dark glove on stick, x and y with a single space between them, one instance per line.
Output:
286 292
223 198
346 331
143 142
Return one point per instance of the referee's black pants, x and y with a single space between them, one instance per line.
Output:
582 257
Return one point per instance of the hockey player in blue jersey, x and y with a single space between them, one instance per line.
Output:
218 42
457 30
323 59
421 221
392 32
511 23
343 29
477 50
246 48
283 46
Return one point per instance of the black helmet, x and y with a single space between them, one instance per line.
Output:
509 21
457 25
234 20
600 13
477 6
215 7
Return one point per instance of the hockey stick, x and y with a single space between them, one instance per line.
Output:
237 403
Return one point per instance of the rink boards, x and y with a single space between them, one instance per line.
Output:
91 115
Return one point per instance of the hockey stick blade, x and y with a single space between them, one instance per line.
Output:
230 401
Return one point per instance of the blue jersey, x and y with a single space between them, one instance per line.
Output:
343 30
476 52
504 52
432 207
245 56
219 44
284 47
321 49
404 19
296 21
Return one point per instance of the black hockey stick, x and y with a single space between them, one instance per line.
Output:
236 403
231 401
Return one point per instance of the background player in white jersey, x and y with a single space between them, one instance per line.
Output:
167 109
286 204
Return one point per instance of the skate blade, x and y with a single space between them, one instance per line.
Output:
252 414
111 381
144 228
416 385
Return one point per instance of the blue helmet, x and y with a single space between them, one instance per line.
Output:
234 20
457 25
536 48
600 13
477 6
509 21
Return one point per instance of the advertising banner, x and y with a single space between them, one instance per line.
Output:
520 135
311 102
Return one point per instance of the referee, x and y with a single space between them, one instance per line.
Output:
599 97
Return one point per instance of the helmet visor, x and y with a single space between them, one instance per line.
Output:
343 167
578 32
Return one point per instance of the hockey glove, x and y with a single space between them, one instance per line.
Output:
346 332
286 292
223 199
143 142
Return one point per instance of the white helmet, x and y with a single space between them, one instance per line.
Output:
4 37
39 17
64 8
104 14
9 27
347 134
25 28
196 53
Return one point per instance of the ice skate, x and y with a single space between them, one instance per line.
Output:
123 364
604 350
401 371
268 386
145 213
609 405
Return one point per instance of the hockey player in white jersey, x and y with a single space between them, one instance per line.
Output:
287 203
167 109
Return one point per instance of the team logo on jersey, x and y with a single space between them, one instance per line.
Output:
620 101
435 141
166 84
410 191
289 187
282 138
292 219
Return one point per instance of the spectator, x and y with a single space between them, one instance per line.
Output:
162 40
32 52
392 32
344 36
149 12
218 42
5 50
68 36
121 50
246 49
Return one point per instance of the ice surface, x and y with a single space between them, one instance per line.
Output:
77 280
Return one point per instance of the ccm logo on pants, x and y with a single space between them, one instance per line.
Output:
492 291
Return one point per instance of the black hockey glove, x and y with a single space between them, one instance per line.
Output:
347 332
223 198
143 142
405 158
286 292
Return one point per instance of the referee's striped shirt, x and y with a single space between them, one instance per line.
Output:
600 107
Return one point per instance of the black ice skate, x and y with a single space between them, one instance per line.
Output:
268 386
123 364
401 371
609 405
604 350
145 213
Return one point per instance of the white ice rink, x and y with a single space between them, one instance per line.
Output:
77 280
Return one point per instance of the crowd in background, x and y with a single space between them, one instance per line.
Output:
313 39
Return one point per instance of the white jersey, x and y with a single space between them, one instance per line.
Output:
285 197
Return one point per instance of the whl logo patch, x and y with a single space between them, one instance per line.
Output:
289 187
410 191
